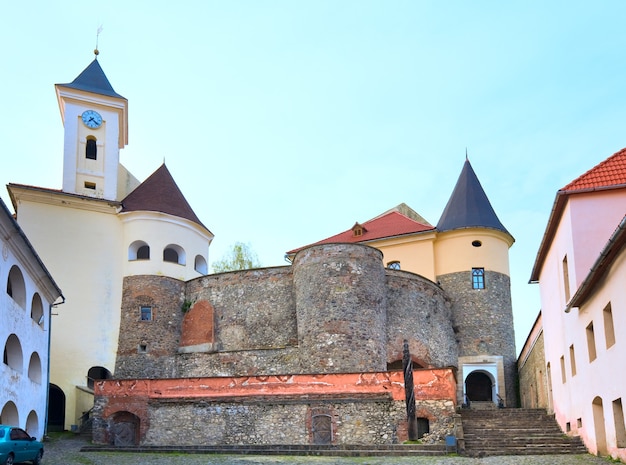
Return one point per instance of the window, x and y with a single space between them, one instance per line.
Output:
16 288
36 310
478 278
174 254
609 330
591 342
13 353
572 359
143 252
477 243
618 419
563 377
393 265
146 313
566 279
423 427
91 149
90 185
170 255
34 368
200 265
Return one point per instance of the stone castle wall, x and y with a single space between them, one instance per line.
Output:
483 321
336 309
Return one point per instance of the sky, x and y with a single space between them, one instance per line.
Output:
285 122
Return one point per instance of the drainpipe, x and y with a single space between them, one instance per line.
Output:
45 424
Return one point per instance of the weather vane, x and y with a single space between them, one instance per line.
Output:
96 52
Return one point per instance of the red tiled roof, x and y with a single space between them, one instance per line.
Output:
610 172
160 193
390 224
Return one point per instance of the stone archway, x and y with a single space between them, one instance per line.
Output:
124 429
479 387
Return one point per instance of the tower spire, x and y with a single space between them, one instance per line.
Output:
96 52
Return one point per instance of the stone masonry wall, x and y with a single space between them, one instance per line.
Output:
533 377
418 311
341 308
144 345
336 309
483 321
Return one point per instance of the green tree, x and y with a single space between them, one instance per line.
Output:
240 257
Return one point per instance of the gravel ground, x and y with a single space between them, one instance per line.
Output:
65 450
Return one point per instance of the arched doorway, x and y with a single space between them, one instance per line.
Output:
479 387
125 429
56 408
599 426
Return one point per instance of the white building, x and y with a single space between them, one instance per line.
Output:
101 226
25 308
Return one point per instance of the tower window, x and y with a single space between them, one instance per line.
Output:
566 279
90 185
146 313
91 150
393 265
143 252
478 278
170 255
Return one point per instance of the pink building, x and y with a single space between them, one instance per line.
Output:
581 271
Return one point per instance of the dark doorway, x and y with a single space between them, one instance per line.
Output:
56 408
423 427
478 387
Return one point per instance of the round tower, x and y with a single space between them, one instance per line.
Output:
340 307
472 266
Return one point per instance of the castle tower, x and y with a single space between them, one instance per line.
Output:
95 119
472 265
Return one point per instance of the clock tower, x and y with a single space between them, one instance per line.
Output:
95 118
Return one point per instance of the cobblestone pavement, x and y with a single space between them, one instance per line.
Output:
65 450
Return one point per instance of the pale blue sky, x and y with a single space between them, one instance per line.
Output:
284 122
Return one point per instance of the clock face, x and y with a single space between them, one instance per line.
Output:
92 119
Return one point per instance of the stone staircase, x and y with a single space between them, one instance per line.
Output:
513 431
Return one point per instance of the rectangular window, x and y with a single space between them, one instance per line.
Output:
563 378
609 330
566 279
591 342
90 185
146 313
478 278
572 359
618 418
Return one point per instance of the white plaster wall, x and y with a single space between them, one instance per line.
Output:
587 222
84 251
603 377
16 386
159 230
104 173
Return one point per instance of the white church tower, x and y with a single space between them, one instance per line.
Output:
95 118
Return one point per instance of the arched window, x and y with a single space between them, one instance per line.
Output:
91 149
143 253
97 373
200 264
36 310
34 368
9 415
13 353
174 254
32 424
139 250
395 265
16 287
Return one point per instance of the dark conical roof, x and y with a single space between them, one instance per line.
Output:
159 193
93 79
469 206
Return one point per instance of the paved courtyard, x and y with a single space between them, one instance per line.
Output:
65 450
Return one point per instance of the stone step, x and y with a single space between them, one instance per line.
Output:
351 450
